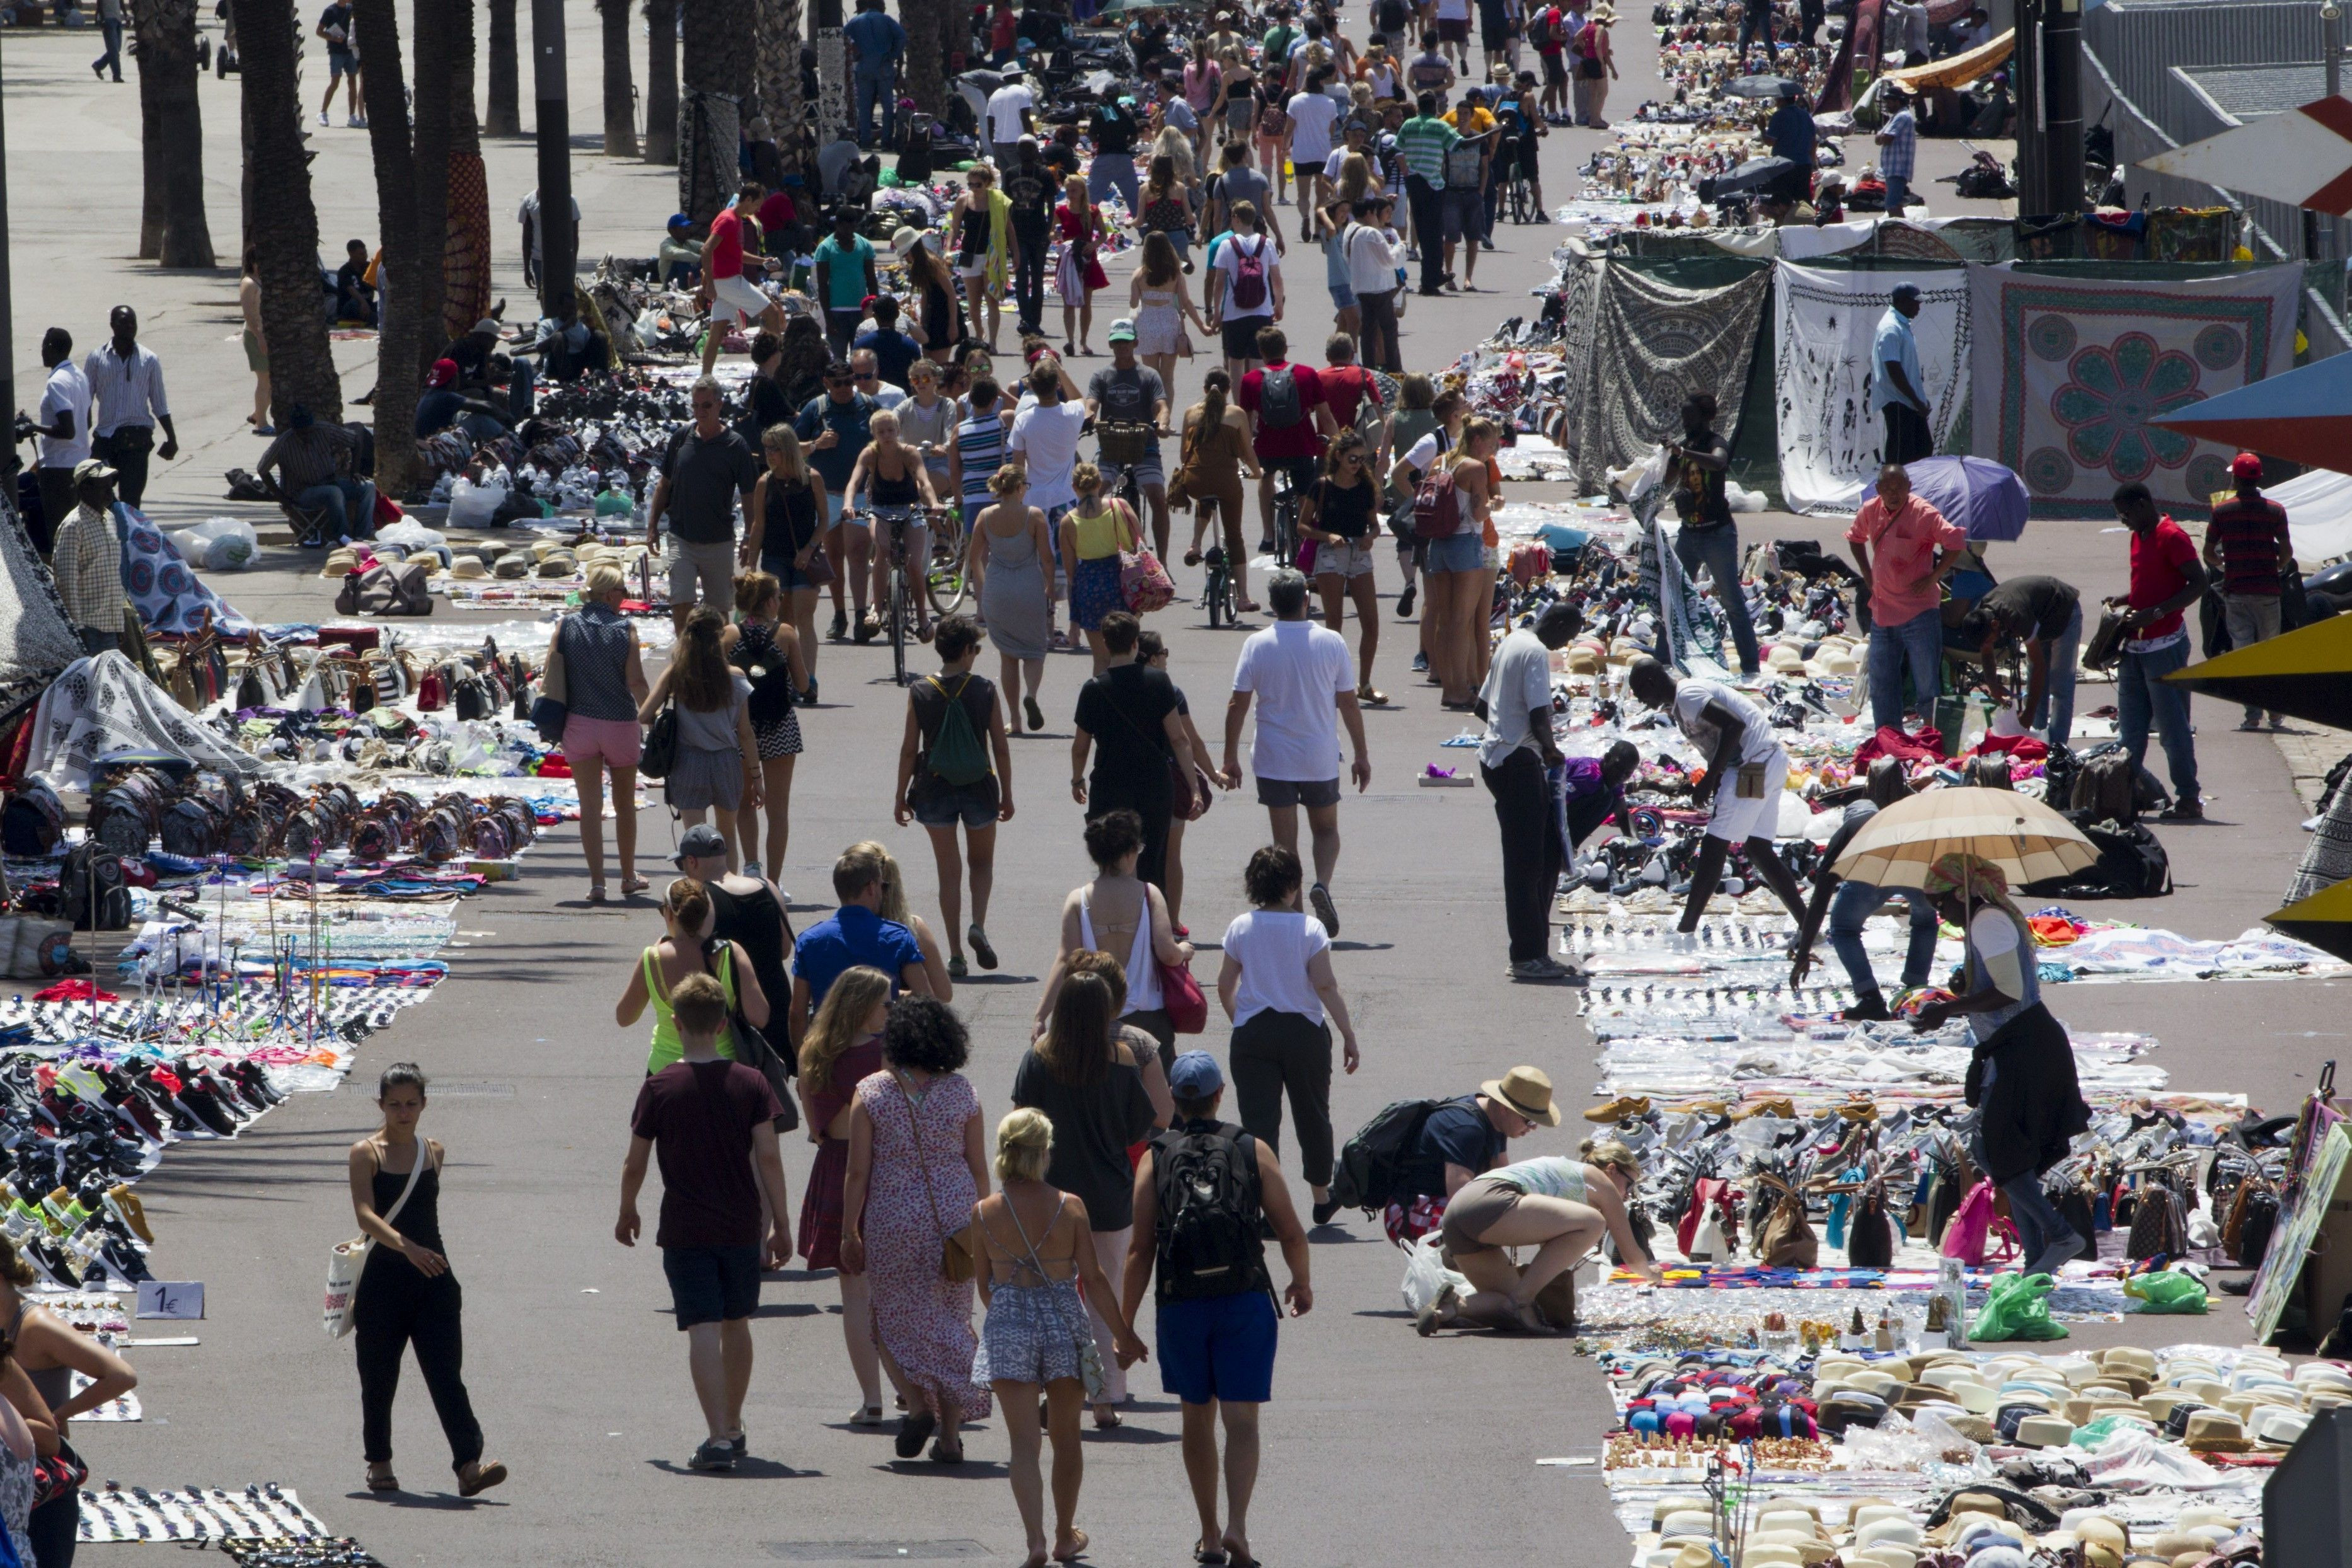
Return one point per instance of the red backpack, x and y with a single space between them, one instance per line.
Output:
1249 275
1437 504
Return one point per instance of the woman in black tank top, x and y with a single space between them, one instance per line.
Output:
406 1293
890 474
1335 515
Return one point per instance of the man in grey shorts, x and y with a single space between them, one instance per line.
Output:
1129 392
708 466
1304 685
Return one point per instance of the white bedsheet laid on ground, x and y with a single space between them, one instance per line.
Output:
1831 439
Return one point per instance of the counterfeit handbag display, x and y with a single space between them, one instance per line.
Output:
343 1264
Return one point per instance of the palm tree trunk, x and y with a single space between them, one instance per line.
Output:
505 116
172 120
466 278
284 226
620 92
925 76
787 114
715 79
435 21
150 162
775 57
661 81
405 265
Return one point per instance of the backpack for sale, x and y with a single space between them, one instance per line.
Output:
1370 1168
2106 786
1249 288
194 828
1437 505
91 891
1207 1184
32 820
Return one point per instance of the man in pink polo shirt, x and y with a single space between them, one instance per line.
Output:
1905 550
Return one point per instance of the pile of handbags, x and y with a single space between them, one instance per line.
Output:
454 824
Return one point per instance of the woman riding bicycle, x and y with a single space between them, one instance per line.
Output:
891 480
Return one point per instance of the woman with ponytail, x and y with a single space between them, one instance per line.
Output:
1216 449
717 769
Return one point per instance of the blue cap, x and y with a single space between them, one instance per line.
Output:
1195 1076
679 220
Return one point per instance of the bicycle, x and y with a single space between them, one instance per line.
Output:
1217 594
897 599
945 579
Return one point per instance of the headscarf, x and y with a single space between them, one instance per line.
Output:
1971 878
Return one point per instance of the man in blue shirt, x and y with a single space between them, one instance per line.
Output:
855 934
894 350
877 44
1791 135
1897 389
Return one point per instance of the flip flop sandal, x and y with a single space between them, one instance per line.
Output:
1208 1559
1076 1551
595 892
1107 1419
867 1415
942 1454
385 1483
1191 558
632 886
1377 698
981 947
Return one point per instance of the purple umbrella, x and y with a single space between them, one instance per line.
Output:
1983 497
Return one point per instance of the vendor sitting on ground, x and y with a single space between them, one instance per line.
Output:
311 465
1746 771
1464 1137
1558 1207
1849 904
681 262
441 405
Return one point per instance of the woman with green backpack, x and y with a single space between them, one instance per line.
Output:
948 775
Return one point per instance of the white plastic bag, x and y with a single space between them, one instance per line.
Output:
1425 1274
220 544
472 505
1796 818
411 535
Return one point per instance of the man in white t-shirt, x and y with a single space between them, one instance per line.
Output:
1746 773
1304 685
1306 129
1516 759
1043 445
1011 114
63 433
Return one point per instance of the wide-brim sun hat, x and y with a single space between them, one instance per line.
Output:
1526 1090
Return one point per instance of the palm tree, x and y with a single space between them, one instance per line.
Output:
661 81
405 261
715 79
786 113
466 278
620 92
436 22
281 223
505 116
775 59
173 229
927 45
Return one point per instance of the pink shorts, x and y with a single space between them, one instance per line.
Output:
616 742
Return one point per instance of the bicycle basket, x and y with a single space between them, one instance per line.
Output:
1124 445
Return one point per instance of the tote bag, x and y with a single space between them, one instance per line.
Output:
344 1263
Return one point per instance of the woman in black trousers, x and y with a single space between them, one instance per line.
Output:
1277 988
406 1293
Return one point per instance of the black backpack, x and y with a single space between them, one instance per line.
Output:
91 891
1207 1184
1370 1168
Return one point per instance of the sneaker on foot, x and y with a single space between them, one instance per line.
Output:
2182 811
1421 663
1404 601
715 1454
2250 721
1543 971
840 628
981 949
1325 909
1325 1209
1436 1314
1870 1007
322 118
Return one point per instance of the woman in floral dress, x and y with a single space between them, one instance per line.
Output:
918 1164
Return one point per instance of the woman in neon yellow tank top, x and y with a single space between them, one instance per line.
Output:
686 909
1093 532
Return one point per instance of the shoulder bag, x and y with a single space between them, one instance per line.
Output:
749 1045
1082 1333
958 1249
344 1263
1179 995
1143 584
659 754
548 709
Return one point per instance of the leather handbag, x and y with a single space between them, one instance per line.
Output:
1193 792
659 754
958 1248
1181 998
1786 1240
548 711
2105 647
750 1047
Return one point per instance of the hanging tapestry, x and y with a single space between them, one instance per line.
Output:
1653 345
35 641
171 599
2067 374
1823 321
466 251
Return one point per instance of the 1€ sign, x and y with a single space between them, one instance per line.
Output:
181 1299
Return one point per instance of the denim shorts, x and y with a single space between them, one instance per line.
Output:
974 806
1218 1347
1342 297
712 1284
1463 551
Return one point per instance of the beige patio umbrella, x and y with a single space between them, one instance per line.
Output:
2024 837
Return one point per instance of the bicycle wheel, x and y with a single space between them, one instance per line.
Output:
946 581
897 614
1213 595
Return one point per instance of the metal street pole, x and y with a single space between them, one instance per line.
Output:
560 236
2062 81
2331 35
2033 172
7 299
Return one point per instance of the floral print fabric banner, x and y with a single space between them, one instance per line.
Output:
2068 372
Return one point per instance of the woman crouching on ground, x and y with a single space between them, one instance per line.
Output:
1558 1207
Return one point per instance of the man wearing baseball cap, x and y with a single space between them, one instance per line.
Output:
1131 394
2246 544
680 261
1205 1195
86 560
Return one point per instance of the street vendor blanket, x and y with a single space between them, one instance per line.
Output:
172 600
2067 375
1644 345
106 703
1824 320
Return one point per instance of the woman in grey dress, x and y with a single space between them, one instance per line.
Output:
718 765
1011 560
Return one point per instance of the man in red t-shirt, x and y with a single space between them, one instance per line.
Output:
2247 543
1288 428
2167 577
733 299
